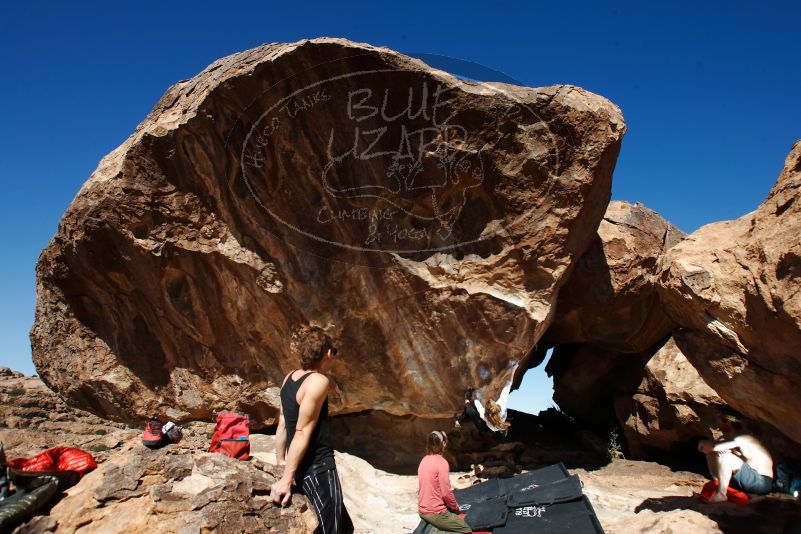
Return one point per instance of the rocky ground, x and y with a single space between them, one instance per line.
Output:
182 488
33 418
634 496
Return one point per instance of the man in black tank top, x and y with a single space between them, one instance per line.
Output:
302 440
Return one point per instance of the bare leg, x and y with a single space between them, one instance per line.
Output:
713 461
722 466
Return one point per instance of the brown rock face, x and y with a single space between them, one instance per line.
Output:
611 299
426 222
657 398
671 408
609 320
735 287
611 360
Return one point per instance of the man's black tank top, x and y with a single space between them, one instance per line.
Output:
319 454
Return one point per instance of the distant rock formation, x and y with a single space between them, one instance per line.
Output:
33 418
735 289
426 222
611 298
671 408
727 295
611 360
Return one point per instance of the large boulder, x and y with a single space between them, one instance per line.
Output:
611 299
609 331
735 288
424 221
670 409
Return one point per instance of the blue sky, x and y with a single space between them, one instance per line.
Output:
709 91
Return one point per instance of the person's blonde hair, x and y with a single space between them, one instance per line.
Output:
493 413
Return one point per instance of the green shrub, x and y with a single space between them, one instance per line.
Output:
16 392
614 448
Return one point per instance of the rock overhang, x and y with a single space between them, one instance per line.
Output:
314 183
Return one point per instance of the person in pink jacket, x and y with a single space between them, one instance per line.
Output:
435 501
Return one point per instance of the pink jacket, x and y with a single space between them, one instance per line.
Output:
434 492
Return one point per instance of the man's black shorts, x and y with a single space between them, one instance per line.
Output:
325 493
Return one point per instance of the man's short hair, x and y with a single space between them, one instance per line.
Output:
734 422
311 343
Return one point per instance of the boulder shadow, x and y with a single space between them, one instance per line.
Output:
770 514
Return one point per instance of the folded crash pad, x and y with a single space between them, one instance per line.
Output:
467 497
488 514
65 479
567 489
500 487
545 500
575 517
533 479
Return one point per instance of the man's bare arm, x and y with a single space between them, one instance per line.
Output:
736 443
725 446
280 432
707 446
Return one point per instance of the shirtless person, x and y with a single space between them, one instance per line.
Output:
302 440
741 460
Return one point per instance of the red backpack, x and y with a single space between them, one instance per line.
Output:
232 435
